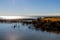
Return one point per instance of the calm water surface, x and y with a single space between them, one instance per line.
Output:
22 32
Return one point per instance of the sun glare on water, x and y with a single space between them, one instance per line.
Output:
10 17
14 17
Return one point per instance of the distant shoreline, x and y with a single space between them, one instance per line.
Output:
54 18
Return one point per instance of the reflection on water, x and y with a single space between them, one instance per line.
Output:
19 31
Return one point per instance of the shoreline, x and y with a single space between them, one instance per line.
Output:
51 24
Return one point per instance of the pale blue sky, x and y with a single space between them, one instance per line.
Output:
29 7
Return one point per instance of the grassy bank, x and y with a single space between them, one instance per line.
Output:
47 24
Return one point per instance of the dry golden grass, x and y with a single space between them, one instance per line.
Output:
51 19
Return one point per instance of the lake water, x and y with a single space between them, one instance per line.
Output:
22 32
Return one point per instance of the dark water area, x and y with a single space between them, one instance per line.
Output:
20 31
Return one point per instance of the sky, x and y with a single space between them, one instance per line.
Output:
29 7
